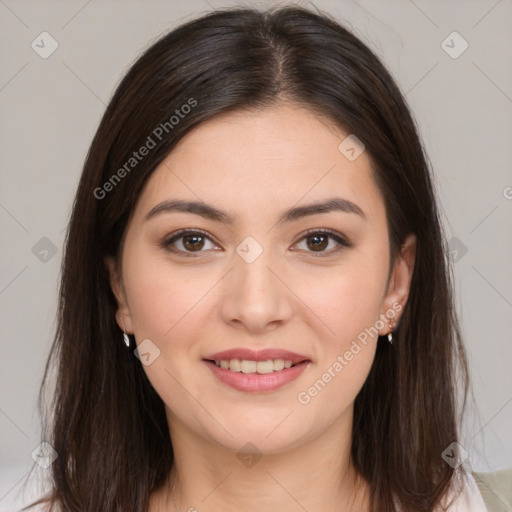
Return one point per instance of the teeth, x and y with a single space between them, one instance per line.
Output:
247 366
262 367
278 364
235 365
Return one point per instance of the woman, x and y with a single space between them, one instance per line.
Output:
256 307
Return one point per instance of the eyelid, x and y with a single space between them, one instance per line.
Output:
340 239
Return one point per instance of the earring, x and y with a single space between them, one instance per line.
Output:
126 339
390 334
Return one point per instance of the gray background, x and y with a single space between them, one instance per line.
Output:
50 109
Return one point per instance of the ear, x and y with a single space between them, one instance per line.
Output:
123 315
399 282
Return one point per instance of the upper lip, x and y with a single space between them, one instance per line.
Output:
260 355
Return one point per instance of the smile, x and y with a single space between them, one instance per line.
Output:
247 366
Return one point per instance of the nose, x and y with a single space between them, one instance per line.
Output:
255 296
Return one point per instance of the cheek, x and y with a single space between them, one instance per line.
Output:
347 308
346 299
168 307
164 299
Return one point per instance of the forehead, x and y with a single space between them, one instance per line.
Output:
258 162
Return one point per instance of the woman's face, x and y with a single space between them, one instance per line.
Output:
258 281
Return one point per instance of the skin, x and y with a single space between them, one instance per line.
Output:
254 165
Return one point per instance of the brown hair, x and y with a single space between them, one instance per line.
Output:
105 420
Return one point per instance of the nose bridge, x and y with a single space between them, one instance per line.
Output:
252 273
253 294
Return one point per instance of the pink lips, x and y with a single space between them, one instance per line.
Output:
255 382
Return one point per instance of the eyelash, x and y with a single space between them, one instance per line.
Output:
343 243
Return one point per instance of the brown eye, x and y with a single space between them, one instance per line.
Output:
193 242
187 242
317 241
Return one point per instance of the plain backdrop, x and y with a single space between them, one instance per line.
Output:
50 109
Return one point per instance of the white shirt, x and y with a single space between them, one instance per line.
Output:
469 500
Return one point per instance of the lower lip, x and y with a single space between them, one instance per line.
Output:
255 381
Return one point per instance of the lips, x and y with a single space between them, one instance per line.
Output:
256 382
261 355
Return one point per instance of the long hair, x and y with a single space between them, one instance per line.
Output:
104 419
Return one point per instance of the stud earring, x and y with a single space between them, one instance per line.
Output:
390 334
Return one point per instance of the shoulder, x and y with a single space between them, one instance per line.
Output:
468 500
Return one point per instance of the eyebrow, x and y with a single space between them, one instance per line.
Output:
212 213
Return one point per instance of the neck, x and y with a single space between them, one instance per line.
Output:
310 476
